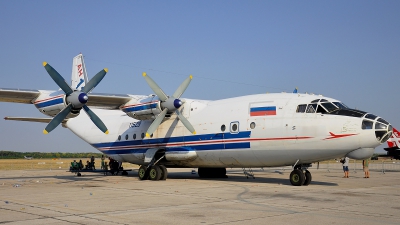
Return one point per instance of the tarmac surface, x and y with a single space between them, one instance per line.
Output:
57 197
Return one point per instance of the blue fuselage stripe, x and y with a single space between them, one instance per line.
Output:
140 108
49 103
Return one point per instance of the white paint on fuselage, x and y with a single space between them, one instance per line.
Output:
277 140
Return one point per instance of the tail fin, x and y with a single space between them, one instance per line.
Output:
393 141
79 76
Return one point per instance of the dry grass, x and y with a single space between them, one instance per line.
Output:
46 164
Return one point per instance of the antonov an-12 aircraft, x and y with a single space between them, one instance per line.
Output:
164 131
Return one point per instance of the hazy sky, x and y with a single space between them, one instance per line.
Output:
348 50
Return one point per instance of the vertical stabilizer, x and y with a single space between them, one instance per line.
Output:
79 75
394 140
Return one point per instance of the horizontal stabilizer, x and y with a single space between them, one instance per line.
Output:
32 119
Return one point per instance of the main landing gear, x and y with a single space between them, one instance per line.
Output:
156 172
300 175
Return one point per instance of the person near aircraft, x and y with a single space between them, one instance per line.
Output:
92 163
80 164
87 164
102 162
74 165
345 162
365 168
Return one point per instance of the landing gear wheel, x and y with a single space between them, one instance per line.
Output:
143 174
164 172
155 173
308 177
125 173
297 177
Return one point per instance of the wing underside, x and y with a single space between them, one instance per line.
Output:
18 95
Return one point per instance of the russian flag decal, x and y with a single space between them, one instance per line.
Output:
263 111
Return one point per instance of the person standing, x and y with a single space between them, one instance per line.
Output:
345 162
365 167
102 162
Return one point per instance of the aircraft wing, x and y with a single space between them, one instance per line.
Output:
18 95
107 101
33 119
98 100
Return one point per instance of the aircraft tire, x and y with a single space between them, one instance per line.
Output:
308 177
164 172
125 173
155 173
143 173
297 177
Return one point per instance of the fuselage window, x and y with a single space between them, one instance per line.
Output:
301 108
134 136
311 108
252 125
366 124
119 137
223 127
142 135
235 127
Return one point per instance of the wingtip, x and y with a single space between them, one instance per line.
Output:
105 69
144 74
44 63
45 132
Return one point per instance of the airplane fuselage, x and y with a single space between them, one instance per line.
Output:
251 131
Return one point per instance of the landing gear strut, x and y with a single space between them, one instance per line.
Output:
300 175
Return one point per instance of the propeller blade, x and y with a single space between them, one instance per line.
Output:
96 120
57 119
178 93
156 123
153 85
94 81
58 78
185 122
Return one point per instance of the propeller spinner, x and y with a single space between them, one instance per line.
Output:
76 99
168 104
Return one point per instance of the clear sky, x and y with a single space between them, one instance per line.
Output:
348 50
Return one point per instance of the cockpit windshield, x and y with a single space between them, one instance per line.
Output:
320 106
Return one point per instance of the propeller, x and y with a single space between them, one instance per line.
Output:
168 104
76 99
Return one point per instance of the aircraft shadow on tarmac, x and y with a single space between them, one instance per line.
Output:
232 177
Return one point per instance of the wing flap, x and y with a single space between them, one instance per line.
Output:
18 95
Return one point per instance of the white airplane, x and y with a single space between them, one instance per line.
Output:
163 131
28 157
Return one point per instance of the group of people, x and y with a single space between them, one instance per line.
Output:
345 162
90 165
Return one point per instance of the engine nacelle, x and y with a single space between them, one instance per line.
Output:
146 108
51 105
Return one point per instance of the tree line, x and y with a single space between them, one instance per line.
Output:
46 155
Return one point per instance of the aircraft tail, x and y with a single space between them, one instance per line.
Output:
79 76
393 141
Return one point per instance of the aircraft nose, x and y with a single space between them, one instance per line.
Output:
383 129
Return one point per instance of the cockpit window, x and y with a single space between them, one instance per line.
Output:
323 100
382 121
340 105
321 109
380 126
329 106
370 116
311 108
301 108
315 101
367 124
